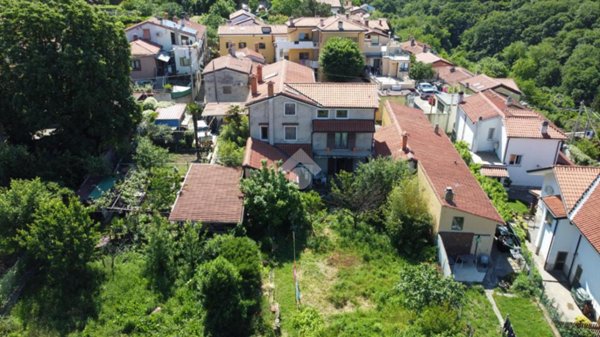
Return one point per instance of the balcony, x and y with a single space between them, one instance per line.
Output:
310 63
287 45
342 153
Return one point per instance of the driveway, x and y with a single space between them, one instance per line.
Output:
555 287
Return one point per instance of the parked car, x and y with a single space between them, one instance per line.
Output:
204 134
506 240
426 90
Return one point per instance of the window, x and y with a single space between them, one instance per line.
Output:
173 41
227 89
261 45
185 40
515 159
403 66
491 133
228 45
457 223
185 62
290 109
322 113
341 114
264 132
341 140
290 132
136 65
303 37
242 45
304 56
549 218
374 40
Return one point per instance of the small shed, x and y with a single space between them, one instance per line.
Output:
172 116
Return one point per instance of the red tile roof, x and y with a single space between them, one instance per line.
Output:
251 30
555 204
210 194
587 218
573 182
413 49
239 64
453 77
494 171
337 125
438 159
337 95
431 58
257 151
144 48
527 127
280 73
483 82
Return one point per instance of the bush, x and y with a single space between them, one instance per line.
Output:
527 285
341 59
150 103
160 252
440 320
590 147
422 285
308 322
579 157
230 154
148 155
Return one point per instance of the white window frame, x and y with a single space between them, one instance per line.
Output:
261 132
343 140
185 61
347 114
462 225
491 133
285 110
133 67
328 113
285 127
515 162
240 45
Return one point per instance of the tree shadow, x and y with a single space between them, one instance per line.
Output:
280 246
61 307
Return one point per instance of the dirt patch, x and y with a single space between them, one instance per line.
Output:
342 260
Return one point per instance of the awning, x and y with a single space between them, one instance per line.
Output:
494 171
164 57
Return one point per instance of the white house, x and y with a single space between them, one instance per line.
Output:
568 216
506 135
183 44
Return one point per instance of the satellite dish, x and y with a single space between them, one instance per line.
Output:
549 190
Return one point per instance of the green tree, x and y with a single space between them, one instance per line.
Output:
368 187
341 59
160 255
236 128
65 66
148 155
272 203
581 73
420 71
492 67
408 222
422 285
219 287
61 238
163 184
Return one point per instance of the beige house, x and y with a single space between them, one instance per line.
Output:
144 63
226 79
463 215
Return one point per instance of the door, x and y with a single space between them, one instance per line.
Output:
561 259
146 34
577 276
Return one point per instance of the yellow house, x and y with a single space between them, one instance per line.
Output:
463 214
255 37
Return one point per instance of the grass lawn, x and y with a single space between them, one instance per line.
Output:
526 317
182 161
518 207
478 313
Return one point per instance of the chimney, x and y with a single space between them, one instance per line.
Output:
291 24
461 97
544 128
259 73
449 196
367 22
509 101
412 41
347 15
270 88
404 141
322 22
341 25
436 129
452 69
253 85
424 48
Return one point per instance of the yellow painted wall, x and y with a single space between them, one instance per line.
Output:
294 33
359 37
251 40
443 215
294 54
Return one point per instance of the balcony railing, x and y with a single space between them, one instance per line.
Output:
310 63
287 45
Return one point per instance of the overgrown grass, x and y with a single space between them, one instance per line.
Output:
518 207
477 312
526 317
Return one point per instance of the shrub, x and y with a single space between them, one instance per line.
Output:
422 285
148 155
527 285
440 320
230 154
579 157
150 103
308 322
341 59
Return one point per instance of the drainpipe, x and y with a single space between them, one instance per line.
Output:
551 242
558 147
505 150
573 261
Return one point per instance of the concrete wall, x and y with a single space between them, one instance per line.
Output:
481 142
259 114
465 129
589 259
537 153
225 77
251 41
148 70
158 34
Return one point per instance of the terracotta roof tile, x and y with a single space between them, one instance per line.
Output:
175 111
453 77
438 159
527 127
251 30
210 194
494 171
587 218
337 125
251 54
573 181
430 58
415 49
555 205
388 142
280 73
338 95
483 82
257 151
242 65
144 48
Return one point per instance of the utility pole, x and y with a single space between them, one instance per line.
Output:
581 108
193 107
